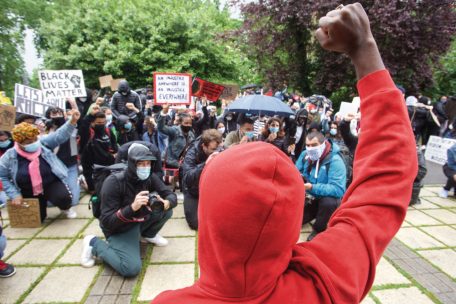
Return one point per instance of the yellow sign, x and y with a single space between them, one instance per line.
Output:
5 100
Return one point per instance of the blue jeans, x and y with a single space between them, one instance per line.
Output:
2 245
3 198
73 184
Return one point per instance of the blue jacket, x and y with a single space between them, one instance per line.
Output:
8 162
330 183
451 157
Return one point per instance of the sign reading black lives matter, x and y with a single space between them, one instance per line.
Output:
62 84
173 88
28 100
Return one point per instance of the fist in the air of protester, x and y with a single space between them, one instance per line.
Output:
345 29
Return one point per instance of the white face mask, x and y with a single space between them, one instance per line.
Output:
315 153
221 130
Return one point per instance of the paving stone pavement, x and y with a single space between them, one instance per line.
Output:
418 266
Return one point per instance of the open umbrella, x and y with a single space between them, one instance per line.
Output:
260 104
250 86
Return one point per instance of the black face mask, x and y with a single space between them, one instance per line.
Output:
58 121
186 129
99 129
149 97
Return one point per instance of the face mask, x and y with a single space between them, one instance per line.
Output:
186 129
69 117
99 129
124 93
127 126
143 172
316 152
249 134
58 121
274 129
108 119
33 147
229 118
333 132
83 99
4 144
221 130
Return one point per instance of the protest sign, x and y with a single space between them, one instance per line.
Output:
26 215
230 92
7 117
201 88
30 101
436 149
172 88
114 83
4 99
105 81
62 84
347 107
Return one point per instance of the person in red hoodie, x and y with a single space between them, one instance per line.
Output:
249 226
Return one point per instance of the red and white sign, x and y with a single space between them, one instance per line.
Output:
203 88
172 88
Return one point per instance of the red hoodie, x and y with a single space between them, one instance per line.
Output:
251 207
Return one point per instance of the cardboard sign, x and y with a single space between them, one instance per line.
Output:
230 92
436 149
26 215
105 81
212 91
347 107
7 117
172 88
62 84
114 83
28 100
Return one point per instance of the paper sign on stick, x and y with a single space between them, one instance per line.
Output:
114 83
62 84
230 92
105 81
7 117
26 215
347 107
436 149
174 88
28 100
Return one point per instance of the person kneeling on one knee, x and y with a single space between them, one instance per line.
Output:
324 174
130 209
195 159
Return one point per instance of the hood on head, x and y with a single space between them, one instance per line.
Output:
250 215
123 87
137 152
122 119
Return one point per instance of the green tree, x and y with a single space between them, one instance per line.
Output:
15 17
445 74
134 38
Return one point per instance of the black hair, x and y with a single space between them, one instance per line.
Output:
99 115
53 110
24 117
182 116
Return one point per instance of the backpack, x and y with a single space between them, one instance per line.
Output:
347 158
100 174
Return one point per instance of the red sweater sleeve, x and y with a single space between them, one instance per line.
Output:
344 257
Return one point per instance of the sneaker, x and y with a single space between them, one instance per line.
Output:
6 270
158 240
70 213
443 193
87 258
312 235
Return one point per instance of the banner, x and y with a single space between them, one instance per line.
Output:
203 88
28 100
114 83
105 81
62 84
7 117
436 149
172 88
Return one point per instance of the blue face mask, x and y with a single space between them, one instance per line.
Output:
274 129
4 144
127 126
249 134
33 147
333 132
143 172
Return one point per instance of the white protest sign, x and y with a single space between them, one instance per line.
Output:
172 88
62 84
436 149
28 100
347 107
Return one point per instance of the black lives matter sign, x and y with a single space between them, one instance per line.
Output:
62 84
28 100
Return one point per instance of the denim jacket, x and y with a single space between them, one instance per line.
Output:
9 162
